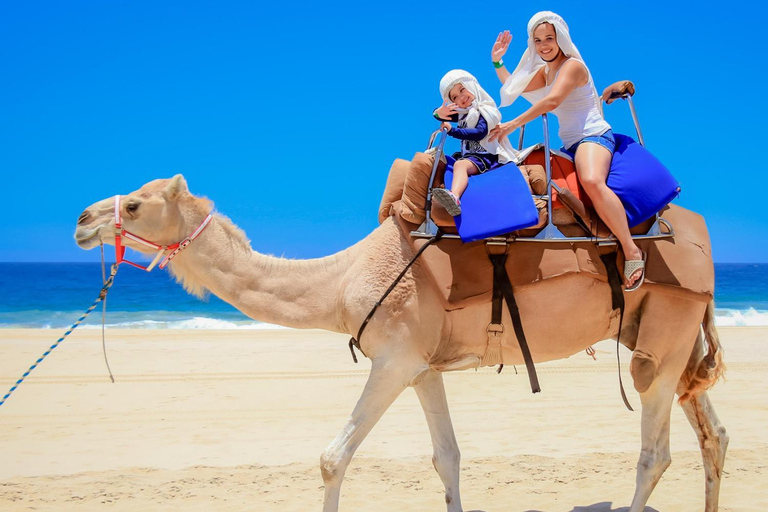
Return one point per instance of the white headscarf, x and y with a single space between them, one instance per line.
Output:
483 105
530 62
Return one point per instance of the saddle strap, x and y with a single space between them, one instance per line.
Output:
617 302
355 342
502 287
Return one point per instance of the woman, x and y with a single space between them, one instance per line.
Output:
554 78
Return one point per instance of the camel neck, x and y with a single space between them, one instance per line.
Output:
295 293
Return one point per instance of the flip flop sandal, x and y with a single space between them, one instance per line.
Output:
449 201
632 266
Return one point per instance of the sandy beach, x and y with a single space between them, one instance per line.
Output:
237 420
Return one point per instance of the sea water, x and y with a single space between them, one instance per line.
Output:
54 295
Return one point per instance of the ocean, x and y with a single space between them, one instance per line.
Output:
54 295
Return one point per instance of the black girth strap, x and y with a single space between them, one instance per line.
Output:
502 287
355 342
617 302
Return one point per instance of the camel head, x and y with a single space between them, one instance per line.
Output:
158 212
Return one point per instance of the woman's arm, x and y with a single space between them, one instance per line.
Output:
572 74
497 52
499 49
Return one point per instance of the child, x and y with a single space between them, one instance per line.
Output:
475 111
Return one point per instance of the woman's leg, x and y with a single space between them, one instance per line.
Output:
462 170
593 162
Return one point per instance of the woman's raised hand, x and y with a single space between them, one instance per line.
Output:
501 45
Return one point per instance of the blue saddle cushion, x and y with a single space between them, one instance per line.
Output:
642 182
494 203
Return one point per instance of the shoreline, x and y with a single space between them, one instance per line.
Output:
239 418
148 320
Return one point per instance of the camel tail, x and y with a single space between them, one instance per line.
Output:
703 370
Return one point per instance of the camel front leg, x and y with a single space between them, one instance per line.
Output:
446 456
713 441
655 456
665 341
388 378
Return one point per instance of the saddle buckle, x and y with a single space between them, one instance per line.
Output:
494 330
493 353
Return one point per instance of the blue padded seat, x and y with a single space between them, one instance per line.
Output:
642 182
495 202
499 201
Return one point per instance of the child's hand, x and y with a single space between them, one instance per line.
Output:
447 110
501 45
445 126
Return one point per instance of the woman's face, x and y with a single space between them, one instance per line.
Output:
545 41
461 96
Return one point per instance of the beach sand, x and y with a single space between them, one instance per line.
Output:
237 420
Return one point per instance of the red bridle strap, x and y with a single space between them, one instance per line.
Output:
161 249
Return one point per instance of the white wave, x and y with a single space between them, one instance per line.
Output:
191 323
740 317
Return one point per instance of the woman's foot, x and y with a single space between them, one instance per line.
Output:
449 201
634 273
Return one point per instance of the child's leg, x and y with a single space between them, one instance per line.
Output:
462 170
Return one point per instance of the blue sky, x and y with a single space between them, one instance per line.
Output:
289 115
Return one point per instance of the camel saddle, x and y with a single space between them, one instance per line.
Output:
463 274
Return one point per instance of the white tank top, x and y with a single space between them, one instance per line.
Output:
579 115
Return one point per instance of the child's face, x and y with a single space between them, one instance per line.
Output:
461 96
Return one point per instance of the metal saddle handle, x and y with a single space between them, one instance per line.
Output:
620 89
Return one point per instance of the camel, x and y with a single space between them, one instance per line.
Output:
675 344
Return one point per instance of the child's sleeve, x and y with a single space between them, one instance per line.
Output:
477 133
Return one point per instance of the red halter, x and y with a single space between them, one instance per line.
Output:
173 248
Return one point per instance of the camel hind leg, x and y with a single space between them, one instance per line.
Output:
713 441
705 367
666 336
388 378
446 456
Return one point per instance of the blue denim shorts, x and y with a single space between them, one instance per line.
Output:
606 140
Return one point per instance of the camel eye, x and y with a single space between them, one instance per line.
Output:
132 207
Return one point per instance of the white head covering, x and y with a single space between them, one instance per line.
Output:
483 105
530 62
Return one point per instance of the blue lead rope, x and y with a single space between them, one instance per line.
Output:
101 297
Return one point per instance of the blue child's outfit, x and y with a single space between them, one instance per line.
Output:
470 138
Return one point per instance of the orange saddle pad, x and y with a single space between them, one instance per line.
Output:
563 174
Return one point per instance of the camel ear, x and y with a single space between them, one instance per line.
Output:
176 187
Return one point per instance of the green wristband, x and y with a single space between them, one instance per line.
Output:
499 64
